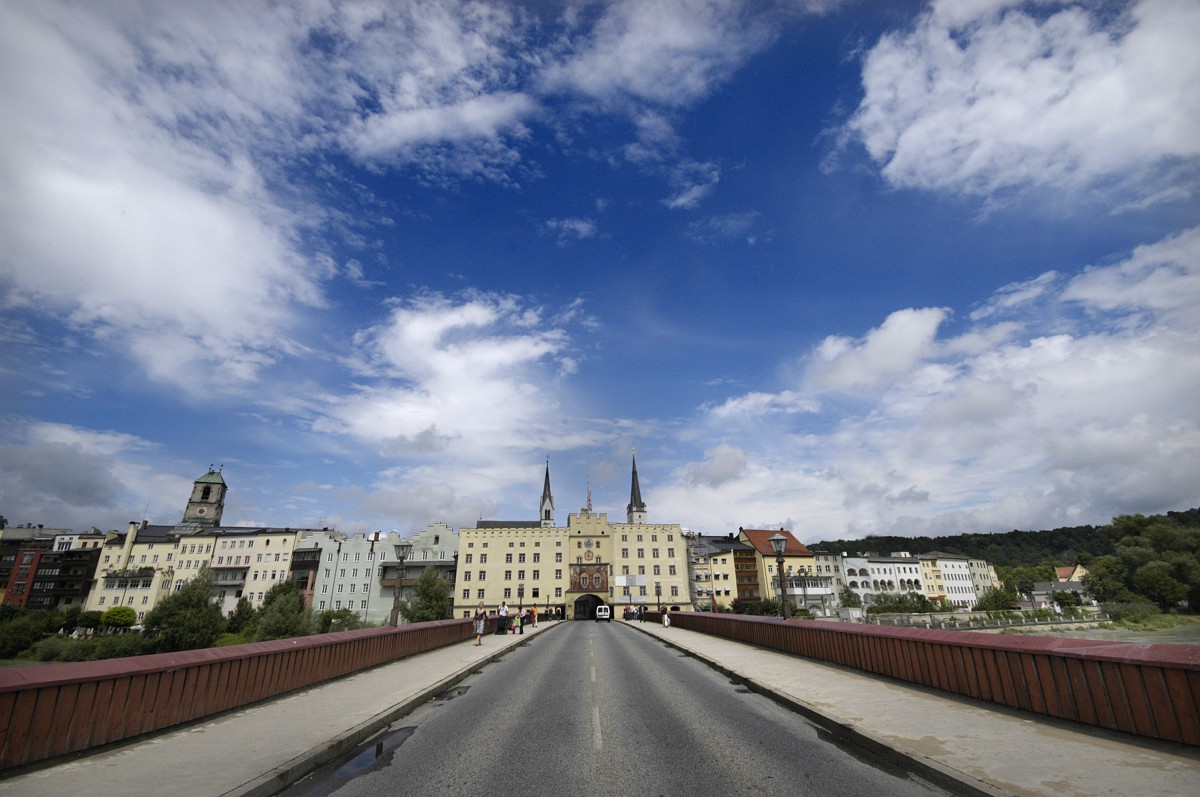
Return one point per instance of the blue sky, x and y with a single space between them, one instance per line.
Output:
843 267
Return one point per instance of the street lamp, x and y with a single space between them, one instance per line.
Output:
658 594
779 545
520 596
402 551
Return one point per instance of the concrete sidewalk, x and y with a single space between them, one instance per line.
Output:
259 750
959 744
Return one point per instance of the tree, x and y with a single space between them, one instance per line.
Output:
188 618
282 615
241 616
338 620
850 599
997 600
119 617
1154 580
430 599
91 620
1066 599
1105 578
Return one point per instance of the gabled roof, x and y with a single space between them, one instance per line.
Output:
943 555
759 539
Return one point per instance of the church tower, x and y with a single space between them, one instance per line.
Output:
207 501
547 502
636 511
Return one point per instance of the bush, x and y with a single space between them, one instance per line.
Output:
227 639
115 646
61 648
1131 609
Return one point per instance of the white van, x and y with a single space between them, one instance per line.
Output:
604 613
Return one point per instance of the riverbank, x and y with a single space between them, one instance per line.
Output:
1185 630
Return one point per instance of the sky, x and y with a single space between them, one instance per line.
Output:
845 268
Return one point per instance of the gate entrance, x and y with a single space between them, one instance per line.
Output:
585 607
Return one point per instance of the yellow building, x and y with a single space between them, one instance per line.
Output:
573 569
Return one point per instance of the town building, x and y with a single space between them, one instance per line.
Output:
573 569
947 577
714 573
870 577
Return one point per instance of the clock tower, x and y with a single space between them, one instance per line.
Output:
207 503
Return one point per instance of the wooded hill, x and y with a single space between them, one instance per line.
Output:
1063 546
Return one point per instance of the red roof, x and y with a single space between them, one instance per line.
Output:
1065 573
759 539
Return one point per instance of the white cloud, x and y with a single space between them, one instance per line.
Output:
465 378
667 53
571 229
1011 425
986 97
903 340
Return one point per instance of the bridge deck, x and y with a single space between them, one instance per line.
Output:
981 750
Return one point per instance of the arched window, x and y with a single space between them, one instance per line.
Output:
206 492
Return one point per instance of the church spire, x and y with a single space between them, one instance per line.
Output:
636 510
547 501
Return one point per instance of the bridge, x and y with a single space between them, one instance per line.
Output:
976 714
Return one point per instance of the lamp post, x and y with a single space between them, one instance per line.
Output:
402 550
520 596
779 545
658 594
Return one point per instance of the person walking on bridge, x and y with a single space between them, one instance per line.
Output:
480 622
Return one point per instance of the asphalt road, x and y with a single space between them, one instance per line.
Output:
599 709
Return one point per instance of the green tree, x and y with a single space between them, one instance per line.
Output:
337 620
1105 578
282 615
241 616
187 619
119 617
430 599
1066 599
92 620
997 600
1154 580
850 599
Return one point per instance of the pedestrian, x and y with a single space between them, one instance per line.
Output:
480 623
533 615
516 624
521 618
666 618
502 623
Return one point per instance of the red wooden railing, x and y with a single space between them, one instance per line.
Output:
1148 690
56 709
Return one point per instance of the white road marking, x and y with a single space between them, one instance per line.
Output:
597 738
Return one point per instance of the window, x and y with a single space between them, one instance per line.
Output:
558 592
537 574
624 553
654 553
558 556
468 559
508 575
483 575
521 558
466 575
483 559
558 574
537 557
479 594
657 570
670 553
508 592
521 575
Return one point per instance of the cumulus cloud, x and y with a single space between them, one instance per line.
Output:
572 229
1020 426
984 98
905 337
468 374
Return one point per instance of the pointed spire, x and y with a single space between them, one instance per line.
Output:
637 508
589 503
547 500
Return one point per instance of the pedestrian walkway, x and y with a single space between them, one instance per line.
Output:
259 750
957 743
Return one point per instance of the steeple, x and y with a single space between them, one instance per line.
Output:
636 511
208 500
547 501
